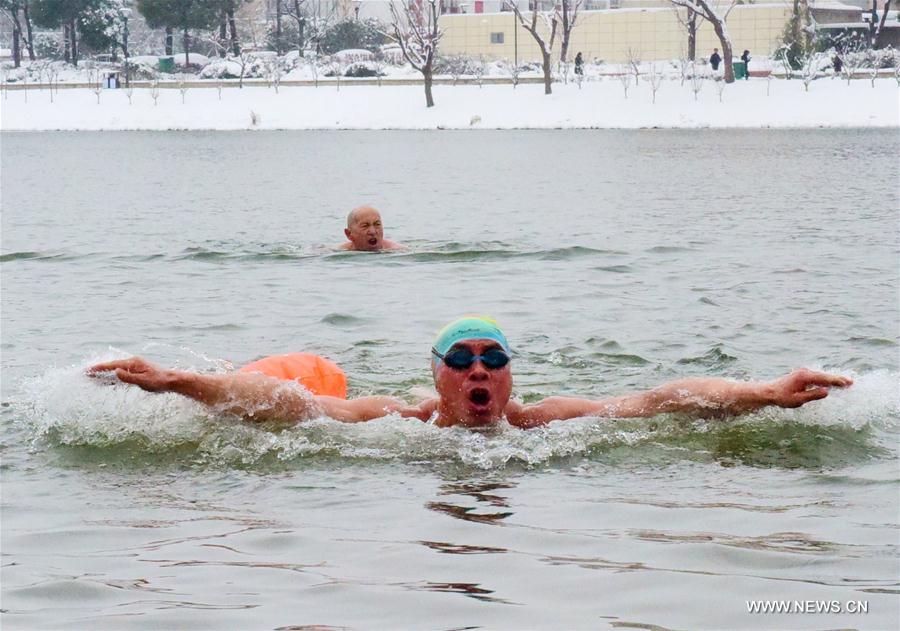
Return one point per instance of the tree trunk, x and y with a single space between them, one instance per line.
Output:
74 37
884 12
692 35
170 47
16 47
566 31
223 34
66 44
548 77
427 74
726 52
186 43
278 26
235 44
300 24
28 31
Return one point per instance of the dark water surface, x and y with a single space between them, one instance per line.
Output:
613 260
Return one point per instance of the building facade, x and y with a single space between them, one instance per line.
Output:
613 35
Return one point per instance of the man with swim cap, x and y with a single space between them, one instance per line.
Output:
365 232
472 366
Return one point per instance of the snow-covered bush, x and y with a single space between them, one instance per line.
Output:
221 69
392 54
362 69
48 46
353 55
454 65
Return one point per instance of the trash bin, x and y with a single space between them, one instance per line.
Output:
740 69
112 80
167 64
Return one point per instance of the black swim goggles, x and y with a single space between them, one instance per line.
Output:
462 358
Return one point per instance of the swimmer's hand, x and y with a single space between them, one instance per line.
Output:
802 386
252 396
137 371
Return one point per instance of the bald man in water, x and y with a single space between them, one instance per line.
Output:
365 232
472 368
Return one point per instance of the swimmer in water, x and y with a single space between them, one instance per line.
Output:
365 232
472 367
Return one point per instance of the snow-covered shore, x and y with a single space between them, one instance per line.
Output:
597 104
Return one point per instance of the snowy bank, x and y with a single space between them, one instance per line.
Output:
597 104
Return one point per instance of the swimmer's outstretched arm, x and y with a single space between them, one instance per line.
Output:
701 397
252 396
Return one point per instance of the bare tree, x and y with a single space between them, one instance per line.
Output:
337 67
567 12
696 81
313 61
688 22
545 41
312 20
563 71
720 88
478 71
513 71
655 80
95 80
182 86
455 66
379 63
416 30
154 90
717 19
684 64
11 9
852 63
634 63
625 79
811 69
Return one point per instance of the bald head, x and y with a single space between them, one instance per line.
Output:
360 212
364 229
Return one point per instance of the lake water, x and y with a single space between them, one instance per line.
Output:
613 260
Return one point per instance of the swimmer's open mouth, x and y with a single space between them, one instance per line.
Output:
373 241
480 396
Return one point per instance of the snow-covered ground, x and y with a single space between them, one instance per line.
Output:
829 102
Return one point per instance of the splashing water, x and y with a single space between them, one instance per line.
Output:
63 408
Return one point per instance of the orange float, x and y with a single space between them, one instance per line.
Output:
316 374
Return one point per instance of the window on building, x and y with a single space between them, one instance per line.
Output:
496 38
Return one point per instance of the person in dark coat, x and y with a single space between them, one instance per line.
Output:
746 59
579 64
715 59
838 64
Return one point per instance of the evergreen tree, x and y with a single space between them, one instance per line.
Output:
184 15
66 14
346 34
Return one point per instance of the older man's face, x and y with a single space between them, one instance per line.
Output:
476 395
365 231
